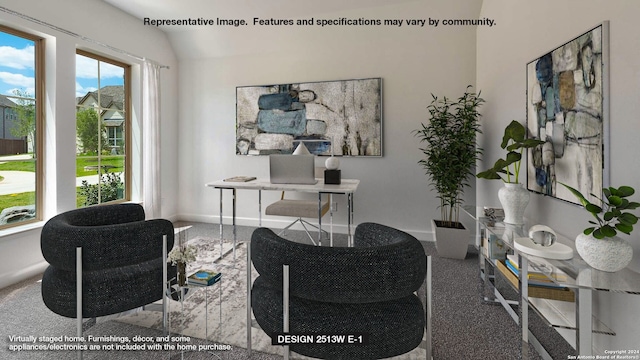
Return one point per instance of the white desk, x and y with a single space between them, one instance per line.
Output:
347 187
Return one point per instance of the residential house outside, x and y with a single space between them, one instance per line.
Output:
112 103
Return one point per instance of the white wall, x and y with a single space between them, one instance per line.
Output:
412 62
525 31
20 254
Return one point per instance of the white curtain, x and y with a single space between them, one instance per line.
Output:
151 139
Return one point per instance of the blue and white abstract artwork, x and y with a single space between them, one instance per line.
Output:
342 118
567 108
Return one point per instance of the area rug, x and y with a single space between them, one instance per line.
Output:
225 325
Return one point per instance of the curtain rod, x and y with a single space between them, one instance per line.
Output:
84 38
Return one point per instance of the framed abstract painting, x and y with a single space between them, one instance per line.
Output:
342 118
568 108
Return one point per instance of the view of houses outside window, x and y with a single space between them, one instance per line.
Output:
19 119
101 124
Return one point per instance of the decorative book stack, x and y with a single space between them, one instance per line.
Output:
204 277
540 286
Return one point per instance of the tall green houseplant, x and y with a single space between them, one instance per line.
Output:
450 150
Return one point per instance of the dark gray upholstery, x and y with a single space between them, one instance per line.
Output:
368 289
121 259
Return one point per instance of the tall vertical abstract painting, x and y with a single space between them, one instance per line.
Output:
342 118
567 107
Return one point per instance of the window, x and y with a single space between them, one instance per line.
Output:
22 121
102 122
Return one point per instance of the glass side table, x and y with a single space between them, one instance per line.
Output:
182 294
572 275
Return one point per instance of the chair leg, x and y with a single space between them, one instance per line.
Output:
303 222
79 295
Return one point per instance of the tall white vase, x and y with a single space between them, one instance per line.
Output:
608 254
514 199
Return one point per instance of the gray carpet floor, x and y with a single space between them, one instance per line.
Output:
464 327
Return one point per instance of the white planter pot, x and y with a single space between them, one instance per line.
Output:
450 242
514 199
609 254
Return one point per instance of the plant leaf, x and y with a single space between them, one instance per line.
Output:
628 218
514 131
577 194
608 231
592 208
614 200
624 228
625 191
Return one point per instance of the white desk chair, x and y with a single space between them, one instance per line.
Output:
299 209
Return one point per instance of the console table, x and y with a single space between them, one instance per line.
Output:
574 311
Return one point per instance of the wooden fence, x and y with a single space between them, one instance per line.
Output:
12 147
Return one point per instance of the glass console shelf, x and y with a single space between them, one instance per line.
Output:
567 305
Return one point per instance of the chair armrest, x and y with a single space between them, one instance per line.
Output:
105 246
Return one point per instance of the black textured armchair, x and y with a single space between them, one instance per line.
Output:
367 289
122 259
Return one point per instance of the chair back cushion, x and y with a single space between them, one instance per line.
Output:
390 265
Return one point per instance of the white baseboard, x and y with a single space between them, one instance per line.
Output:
14 277
425 236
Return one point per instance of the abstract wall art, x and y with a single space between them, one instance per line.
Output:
567 106
341 118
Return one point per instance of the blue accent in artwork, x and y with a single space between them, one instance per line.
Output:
549 99
279 122
279 101
541 177
544 69
315 147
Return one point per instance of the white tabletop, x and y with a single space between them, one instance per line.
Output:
346 186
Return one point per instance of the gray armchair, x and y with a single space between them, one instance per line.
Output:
122 259
367 289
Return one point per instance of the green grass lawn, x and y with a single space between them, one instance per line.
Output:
21 199
115 164
29 198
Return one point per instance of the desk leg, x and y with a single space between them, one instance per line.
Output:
221 227
234 226
319 219
584 322
259 208
331 219
249 299
349 218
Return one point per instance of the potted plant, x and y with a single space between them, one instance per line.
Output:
180 256
599 245
513 196
449 157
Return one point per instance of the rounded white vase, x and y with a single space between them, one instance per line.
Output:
608 254
514 199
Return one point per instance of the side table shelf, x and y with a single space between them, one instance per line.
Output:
565 305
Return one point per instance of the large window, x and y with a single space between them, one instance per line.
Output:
21 124
102 124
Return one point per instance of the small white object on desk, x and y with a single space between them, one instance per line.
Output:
556 251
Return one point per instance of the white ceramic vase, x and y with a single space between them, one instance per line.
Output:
608 254
514 199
